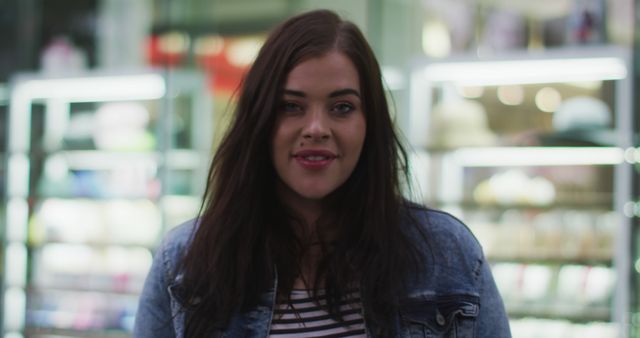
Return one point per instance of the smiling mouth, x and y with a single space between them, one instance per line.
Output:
315 155
316 158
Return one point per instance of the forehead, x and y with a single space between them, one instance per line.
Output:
328 71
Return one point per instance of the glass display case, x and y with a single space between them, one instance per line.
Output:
4 113
633 211
634 321
100 165
533 151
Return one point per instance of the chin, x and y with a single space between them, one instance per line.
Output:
316 192
314 195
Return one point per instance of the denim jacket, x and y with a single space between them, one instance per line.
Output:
453 296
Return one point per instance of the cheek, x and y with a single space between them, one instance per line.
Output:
359 151
276 155
280 146
359 133
354 144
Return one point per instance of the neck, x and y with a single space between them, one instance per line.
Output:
309 265
307 210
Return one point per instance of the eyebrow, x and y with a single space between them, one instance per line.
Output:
340 92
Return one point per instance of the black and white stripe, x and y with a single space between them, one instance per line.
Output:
304 318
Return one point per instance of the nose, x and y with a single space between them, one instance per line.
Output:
316 126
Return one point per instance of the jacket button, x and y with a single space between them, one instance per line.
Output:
440 319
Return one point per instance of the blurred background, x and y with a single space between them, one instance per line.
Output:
520 116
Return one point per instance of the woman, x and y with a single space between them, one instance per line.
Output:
304 231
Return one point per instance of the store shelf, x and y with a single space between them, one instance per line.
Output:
104 160
66 333
532 156
119 158
596 202
603 258
82 290
576 315
542 187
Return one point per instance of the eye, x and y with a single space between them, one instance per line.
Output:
290 107
343 108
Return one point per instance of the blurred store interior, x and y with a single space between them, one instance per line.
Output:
521 117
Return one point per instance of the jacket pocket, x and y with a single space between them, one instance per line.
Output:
451 316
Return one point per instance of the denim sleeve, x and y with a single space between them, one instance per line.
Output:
153 317
492 319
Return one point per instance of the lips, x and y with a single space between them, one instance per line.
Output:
314 159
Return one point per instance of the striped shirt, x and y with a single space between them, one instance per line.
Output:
304 318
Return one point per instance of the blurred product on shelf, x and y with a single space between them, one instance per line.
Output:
550 290
514 187
590 286
556 328
178 209
586 22
556 235
86 221
106 269
132 176
85 312
450 27
535 284
459 123
582 112
61 56
78 134
86 288
504 29
582 120
224 59
536 185
122 126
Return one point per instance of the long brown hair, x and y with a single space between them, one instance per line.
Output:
245 234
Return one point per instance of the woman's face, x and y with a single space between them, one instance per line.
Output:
320 128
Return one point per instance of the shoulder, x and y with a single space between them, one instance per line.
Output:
439 232
180 235
157 314
174 244
436 223
450 257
